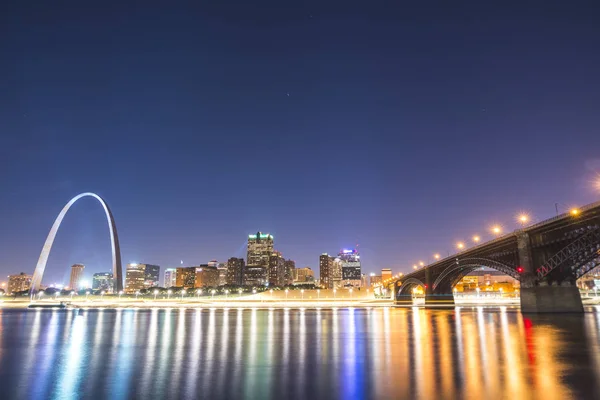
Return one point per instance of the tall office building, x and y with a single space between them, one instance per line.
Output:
325 266
304 275
103 281
260 248
255 275
76 275
351 270
235 271
222 267
206 276
135 277
186 277
386 274
290 267
141 276
276 269
151 275
170 277
18 283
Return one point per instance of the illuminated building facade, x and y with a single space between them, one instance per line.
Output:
103 281
325 278
185 277
304 275
290 267
375 279
206 276
76 275
18 283
277 271
255 275
351 269
386 273
235 271
170 277
151 276
260 248
135 276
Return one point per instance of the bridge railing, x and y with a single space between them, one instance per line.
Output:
503 237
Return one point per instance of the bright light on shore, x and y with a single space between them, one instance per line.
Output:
460 245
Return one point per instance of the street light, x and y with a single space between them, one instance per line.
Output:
574 212
155 293
421 263
436 256
169 294
120 294
87 293
350 294
198 293
182 294
302 293
496 229
72 293
334 290
476 239
523 219
40 294
137 293
460 245
240 292
212 294
318 294
286 294
226 293
477 289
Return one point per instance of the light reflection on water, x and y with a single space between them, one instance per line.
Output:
387 353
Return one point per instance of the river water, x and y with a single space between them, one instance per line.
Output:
378 353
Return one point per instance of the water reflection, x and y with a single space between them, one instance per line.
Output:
469 352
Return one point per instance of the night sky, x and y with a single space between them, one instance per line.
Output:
397 128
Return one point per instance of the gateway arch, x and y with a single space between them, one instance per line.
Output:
114 242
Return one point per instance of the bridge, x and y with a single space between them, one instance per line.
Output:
547 258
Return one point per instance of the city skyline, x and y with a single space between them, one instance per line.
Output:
401 137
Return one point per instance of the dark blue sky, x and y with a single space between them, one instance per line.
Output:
400 128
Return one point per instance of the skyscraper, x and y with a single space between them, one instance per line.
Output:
103 281
141 276
222 268
206 276
170 277
235 271
260 248
290 267
277 269
135 276
76 275
19 283
351 271
151 275
186 277
325 266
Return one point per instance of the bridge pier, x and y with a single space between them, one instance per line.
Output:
404 300
551 299
439 299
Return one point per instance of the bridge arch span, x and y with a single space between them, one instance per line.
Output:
114 241
407 285
456 271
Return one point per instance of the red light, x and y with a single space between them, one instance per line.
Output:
520 270
425 286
